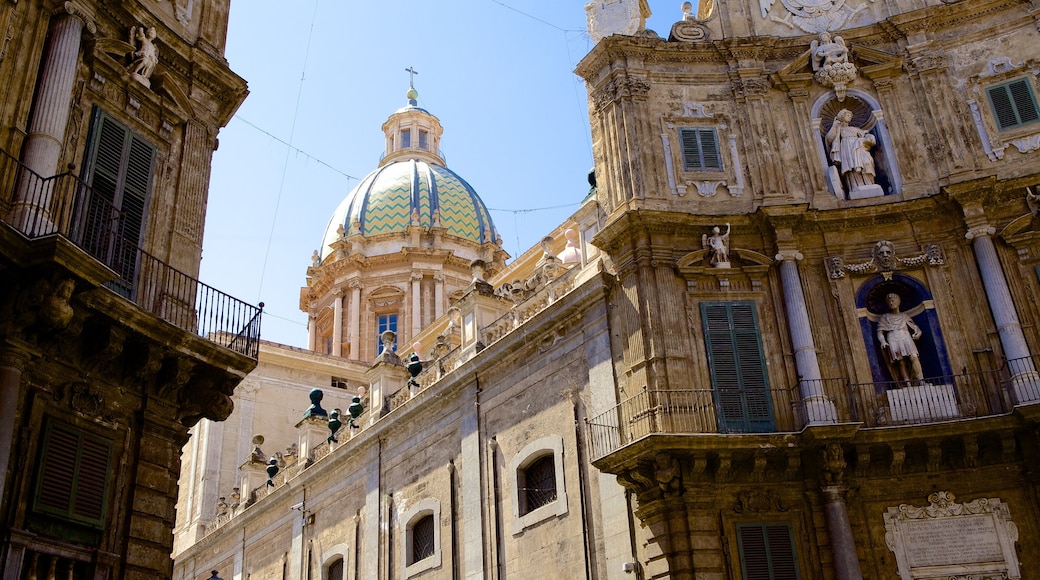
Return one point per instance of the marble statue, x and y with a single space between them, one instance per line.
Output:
717 245
145 55
850 152
572 253
897 331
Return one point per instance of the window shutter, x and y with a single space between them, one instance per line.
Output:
700 148
767 552
1022 96
737 367
73 473
1013 103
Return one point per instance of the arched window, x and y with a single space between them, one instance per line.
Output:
422 537
538 491
334 571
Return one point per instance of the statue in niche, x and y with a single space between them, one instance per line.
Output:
897 331
830 63
850 152
717 245
145 55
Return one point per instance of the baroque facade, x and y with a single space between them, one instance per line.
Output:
792 333
110 348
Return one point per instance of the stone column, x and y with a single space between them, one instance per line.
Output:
312 331
416 304
337 324
818 408
12 362
46 135
843 545
438 296
1024 380
355 320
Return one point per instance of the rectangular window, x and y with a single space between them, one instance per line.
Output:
423 140
385 322
118 167
767 552
72 475
700 148
737 366
1013 104
406 138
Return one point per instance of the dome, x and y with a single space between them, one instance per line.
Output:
392 197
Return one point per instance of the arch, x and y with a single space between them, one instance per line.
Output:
869 116
329 557
550 445
914 295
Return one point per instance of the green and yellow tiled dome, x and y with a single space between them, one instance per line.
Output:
394 196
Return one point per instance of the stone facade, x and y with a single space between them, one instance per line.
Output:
109 348
799 342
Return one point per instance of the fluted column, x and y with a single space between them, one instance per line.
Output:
818 408
46 135
1016 351
337 325
12 362
416 304
355 320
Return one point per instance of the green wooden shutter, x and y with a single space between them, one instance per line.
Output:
700 149
737 366
119 167
1013 104
72 476
767 552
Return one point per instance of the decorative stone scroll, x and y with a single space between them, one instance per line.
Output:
884 260
953 540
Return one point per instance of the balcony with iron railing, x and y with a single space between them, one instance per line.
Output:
66 206
782 410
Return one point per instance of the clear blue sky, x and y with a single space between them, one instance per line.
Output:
325 74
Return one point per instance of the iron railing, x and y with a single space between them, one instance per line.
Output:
65 205
698 411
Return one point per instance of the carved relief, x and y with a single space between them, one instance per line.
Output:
884 260
812 16
832 464
756 501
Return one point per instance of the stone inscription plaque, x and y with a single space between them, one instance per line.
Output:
947 539
956 540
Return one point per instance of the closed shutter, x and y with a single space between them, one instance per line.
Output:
1013 104
767 552
119 166
72 477
700 148
737 366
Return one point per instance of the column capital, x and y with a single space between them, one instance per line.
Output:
354 284
77 10
14 357
790 254
980 231
416 277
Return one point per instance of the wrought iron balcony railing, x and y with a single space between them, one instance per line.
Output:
707 411
66 206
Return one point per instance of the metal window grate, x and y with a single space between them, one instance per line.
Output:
540 483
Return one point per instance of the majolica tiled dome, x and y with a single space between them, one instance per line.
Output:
391 197
411 187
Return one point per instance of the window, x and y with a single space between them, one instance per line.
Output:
537 484
422 537
538 492
700 149
118 167
335 570
385 322
737 366
72 475
1013 104
406 138
767 552
423 140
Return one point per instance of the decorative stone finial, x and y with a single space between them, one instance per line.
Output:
572 253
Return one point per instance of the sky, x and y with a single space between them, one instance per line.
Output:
323 77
